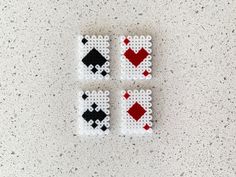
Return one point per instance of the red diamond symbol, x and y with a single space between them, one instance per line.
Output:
145 73
136 58
126 95
146 126
126 41
136 111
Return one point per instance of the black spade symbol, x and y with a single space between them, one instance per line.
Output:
94 58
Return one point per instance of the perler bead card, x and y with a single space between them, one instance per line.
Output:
136 111
136 57
94 57
94 114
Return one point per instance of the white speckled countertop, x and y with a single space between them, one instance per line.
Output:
194 89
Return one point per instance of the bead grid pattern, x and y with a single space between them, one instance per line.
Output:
136 111
136 57
94 55
94 112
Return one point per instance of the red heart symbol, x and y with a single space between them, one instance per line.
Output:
136 58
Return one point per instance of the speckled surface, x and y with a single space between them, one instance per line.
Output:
194 89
